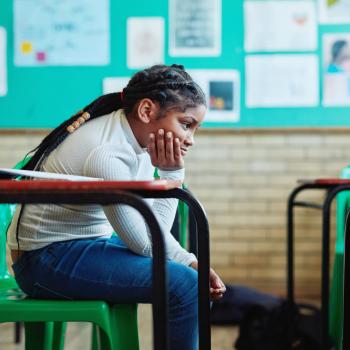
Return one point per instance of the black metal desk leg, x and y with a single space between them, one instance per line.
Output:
18 327
203 264
290 265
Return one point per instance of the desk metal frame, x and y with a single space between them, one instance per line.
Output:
333 187
110 192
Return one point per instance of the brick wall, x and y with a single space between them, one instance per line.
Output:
243 179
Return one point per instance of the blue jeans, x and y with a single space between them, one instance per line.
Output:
106 269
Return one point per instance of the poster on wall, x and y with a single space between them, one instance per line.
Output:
334 11
114 84
222 90
3 65
282 80
61 33
145 41
336 68
194 27
280 26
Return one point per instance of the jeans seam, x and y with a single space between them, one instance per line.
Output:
38 285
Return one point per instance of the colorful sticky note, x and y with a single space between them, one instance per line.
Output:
26 47
41 56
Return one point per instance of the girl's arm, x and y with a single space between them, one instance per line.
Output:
117 163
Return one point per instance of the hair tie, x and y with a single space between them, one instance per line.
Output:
122 95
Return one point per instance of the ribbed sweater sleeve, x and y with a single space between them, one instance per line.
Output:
120 162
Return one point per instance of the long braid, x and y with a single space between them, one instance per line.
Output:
108 103
170 86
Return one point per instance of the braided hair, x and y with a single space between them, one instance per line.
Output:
170 86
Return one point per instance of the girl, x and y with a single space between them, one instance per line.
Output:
68 251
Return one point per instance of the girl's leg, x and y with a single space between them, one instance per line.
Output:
105 269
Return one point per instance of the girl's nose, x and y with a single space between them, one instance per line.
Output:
189 141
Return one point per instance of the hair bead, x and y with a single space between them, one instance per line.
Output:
81 120
86 115
70 128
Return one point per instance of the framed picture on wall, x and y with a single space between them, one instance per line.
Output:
336 68
222 90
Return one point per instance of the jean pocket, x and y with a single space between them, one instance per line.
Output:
43 292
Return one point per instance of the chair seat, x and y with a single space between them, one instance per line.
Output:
119 321
15 308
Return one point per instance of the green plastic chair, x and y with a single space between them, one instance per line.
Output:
336 296
115 327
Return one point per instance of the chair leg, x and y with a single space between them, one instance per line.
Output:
59 333
124 326
38 335
94 337
18 328
105 341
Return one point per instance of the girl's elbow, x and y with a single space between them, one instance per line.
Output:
146 251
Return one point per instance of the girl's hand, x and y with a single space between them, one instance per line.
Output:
165 151
217 287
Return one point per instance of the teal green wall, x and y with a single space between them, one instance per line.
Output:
41 97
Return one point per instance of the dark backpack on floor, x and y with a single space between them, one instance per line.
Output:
236 302
266 328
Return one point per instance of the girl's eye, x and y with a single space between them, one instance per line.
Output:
185 126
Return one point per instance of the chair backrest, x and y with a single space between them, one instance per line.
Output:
6 215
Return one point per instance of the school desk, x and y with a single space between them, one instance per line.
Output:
332 186
131 193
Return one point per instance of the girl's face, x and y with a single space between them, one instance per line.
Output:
182 125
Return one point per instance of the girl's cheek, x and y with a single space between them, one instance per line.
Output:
177 135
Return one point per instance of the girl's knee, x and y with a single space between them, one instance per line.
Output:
183 284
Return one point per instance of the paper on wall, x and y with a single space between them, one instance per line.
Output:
289 80
61 33
194 27
334 11
3 64
46 175
114 84
280 26
145 41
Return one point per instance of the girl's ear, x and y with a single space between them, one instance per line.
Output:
146 110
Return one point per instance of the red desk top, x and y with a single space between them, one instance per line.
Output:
76 186
325 181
